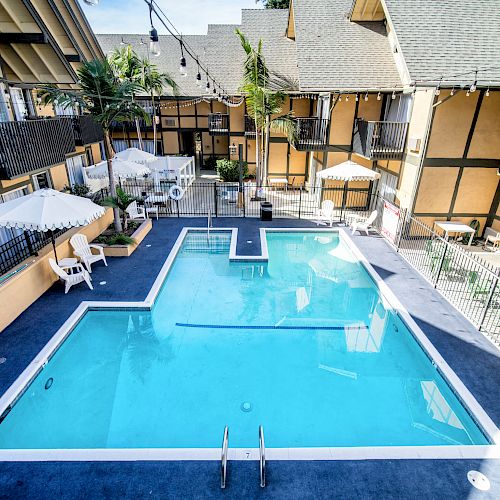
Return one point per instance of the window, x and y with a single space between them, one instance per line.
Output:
19 104
4 111
41 180
102 150
89 157
146 145
64 111
74 166
7 234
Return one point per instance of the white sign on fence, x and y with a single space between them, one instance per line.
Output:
390 220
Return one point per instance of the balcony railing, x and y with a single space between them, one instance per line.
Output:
86 130
31 145
218 124
379 140
249 126
311 134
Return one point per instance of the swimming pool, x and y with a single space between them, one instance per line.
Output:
304 344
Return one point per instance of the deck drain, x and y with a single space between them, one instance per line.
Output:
478 480
246 406
102 282
2 360
249 241
49 383
147 246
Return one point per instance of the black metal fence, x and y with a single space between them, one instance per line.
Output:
311 134
464 279
27 244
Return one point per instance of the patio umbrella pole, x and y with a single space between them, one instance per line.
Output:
53 244
344 200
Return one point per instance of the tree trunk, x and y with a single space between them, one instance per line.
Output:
112 185
257 154
138 130
265 170
154 123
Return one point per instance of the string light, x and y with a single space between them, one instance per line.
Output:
378 96
198 75
473 87
347 98
182 67
487 94
366 96
393 95
452 93
357 97
438 88
154 44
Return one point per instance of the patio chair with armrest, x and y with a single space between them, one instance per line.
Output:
78 275
325 213
83 250
134 211
480 287
364 224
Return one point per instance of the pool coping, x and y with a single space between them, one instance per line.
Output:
316 453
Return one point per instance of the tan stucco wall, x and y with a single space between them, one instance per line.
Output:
17 294
342 120
476 191
59 177
237 118
5 184
170 142
451 125
277 158
486 139
369 110
436 189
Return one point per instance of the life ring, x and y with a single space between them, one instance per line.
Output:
176 192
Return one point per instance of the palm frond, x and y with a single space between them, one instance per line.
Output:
285 124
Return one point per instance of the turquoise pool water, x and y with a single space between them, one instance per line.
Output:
303 345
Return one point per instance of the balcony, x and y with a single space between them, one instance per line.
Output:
311 134
379 140
86 130
218 124
28 146
249 126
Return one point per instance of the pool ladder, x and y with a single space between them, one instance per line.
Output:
262 457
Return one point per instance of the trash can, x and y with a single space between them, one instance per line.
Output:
266 211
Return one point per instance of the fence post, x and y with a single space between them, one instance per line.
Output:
488 303
243 193
29 244
300 200
441 265
402 227
177 204
215 198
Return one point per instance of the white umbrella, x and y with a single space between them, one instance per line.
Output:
121 169
348 171
135 154
47 210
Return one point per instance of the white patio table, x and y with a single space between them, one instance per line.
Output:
455 227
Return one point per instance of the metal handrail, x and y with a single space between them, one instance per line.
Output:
262 451
223 465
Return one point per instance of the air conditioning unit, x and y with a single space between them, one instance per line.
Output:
170 122
414 144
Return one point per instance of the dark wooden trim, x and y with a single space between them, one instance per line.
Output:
80 30
462 162
473 124
494 207
455 193
51 40
73 58
8 38
91 31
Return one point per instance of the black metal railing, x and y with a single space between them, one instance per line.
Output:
218 124
86 130
249 126
27 146
27 244
379 140
311 134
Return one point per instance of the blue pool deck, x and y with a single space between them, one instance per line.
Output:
470 355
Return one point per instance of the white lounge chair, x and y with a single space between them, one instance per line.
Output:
364 224
83 250
325 213
78 275
134 211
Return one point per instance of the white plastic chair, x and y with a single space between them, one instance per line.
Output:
151 209
72 278
325 213
364 224
134 211
83 250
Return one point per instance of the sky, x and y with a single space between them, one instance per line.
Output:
190 17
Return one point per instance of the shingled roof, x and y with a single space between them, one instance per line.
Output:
334 53
446 37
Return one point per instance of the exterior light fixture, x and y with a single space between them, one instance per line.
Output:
347 98
182 65
340 97
487 94
92 3
379 97
438 88
452 93
207 86
233 149
393 95
357 97
154 44
198 75
468 93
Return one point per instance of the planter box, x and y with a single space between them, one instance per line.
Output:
126 250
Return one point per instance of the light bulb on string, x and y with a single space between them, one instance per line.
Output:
393 95
379 96
366 96
154 44
182 65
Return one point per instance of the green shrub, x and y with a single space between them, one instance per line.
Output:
78 189
210 162
229 170
120 239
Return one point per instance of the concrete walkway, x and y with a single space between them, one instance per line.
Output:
472 356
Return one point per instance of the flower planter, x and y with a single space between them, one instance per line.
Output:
126 250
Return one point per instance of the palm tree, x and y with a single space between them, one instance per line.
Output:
127 65
107 99
265 94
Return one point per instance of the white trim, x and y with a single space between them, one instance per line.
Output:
320 453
